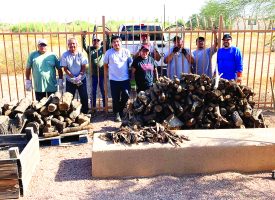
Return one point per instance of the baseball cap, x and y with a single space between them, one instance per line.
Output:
145 46
42 41
96 37
226 36
176 38
144 34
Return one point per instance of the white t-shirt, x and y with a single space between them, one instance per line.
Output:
119 63
73 63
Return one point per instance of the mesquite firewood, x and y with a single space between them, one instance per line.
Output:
193 98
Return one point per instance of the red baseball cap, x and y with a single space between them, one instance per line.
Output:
145 46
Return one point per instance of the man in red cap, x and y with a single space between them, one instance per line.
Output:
153 47
143 69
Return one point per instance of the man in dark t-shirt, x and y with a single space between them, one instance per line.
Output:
143 69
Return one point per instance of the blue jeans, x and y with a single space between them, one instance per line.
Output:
82 90
120 91
40 95
94 89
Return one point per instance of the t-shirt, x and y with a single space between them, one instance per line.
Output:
118 62
229 62
144 74
179 64
43 71
73 63
202 61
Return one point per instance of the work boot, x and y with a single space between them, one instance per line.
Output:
117 117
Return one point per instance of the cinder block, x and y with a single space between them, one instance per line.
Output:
241 150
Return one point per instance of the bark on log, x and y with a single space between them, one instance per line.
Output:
4 124
75 129
64 105
58 124
35 126
50 134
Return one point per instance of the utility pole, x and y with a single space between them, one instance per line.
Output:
164 16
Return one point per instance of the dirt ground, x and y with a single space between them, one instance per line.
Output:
64 172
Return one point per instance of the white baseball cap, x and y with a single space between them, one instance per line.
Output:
96 37
42 41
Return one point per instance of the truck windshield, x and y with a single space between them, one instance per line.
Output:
133 32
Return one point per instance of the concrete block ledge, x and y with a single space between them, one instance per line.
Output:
209 151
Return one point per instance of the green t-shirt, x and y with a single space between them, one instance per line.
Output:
44 71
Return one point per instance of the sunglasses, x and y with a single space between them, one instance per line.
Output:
42 45
96 40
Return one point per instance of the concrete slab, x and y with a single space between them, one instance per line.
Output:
241 150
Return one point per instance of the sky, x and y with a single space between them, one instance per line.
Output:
15 11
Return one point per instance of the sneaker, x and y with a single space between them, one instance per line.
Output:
117 117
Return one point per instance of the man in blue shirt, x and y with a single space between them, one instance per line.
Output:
203 56
229 59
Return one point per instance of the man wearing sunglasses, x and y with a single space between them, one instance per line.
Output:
43 64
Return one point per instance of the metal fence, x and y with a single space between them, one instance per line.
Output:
256 41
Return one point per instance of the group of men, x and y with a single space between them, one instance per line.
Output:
124 69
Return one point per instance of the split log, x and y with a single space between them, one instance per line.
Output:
4 125
44 111
17 124
76 109
64 105
41 103
23 105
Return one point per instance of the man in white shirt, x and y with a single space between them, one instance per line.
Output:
117 61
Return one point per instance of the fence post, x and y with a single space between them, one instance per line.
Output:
220 31
105 70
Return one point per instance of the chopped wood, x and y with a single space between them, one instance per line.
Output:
64 105
4 124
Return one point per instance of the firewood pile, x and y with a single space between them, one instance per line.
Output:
196 102
133 135
49 117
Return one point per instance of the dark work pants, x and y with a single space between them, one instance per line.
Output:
82 90
120 91
40 95
94 89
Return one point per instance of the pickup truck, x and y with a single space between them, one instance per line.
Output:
130 35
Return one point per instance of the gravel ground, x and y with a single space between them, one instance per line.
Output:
64 172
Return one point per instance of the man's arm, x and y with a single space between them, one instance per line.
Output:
84 44
60 73
188 56
28 73
169 58
215 45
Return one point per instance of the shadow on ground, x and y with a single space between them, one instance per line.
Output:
74 169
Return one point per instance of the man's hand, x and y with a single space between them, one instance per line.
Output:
184 52
84 33
60 84
28 85
176 49
239 77
155 46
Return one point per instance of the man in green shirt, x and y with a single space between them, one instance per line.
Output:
96 57
43 66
